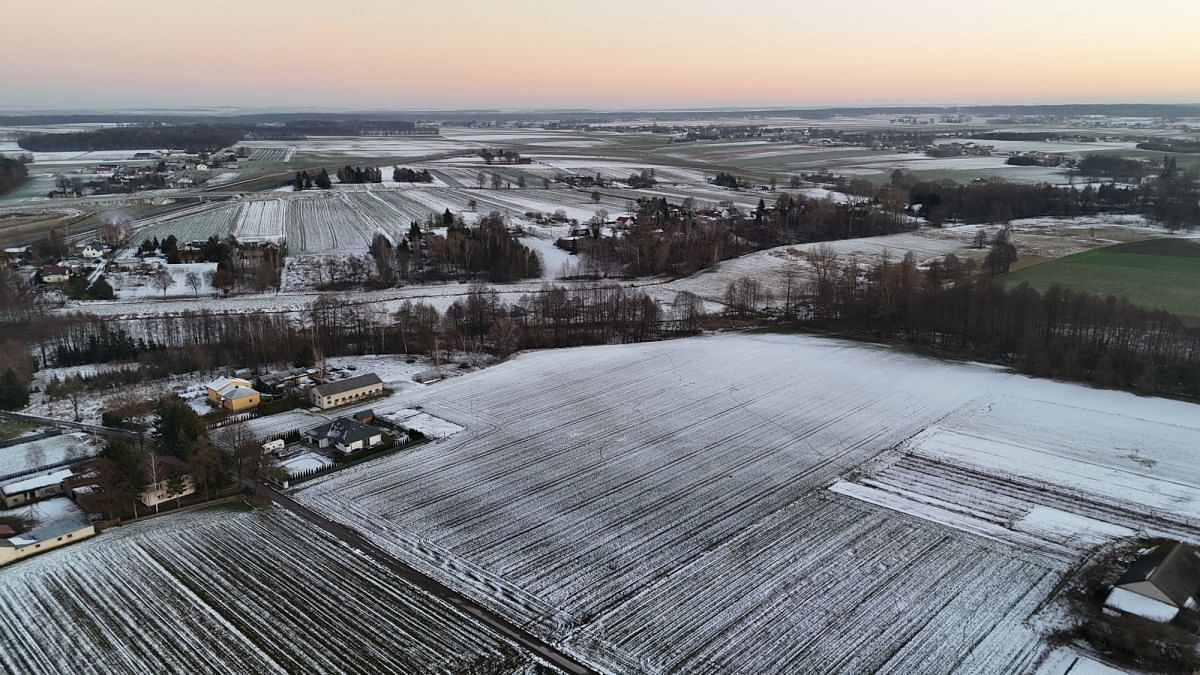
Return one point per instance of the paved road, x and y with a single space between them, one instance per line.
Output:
476 611
67 424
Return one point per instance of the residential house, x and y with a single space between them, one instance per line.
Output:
159 471
42 539
344 435
35 488
90 250
1160 584
233 393
349 390
54 274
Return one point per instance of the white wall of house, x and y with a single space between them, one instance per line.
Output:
11 553
159 492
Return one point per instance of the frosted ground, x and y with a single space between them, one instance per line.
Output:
664 507
227 591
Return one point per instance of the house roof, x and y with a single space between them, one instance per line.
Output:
36 482
363 415
343 430
222 382
163 466
348 384
237 392
1173 568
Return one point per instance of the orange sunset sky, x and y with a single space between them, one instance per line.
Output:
610 54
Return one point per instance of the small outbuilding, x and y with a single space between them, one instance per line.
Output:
1159 584
35 488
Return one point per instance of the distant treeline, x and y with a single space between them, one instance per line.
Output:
12 174
1059 333
1173 199
194 137
1171 146
467 116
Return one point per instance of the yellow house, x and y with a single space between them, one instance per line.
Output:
233 393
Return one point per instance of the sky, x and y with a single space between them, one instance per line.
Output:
522 54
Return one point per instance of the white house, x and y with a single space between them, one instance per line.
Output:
90 250
159 471
1160 584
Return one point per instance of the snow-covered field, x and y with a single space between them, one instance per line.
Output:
226 591
197 225
28 456
662 507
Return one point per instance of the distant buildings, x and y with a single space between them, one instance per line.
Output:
1159 584
342 392
233 393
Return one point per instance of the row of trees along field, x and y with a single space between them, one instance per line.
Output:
12 173
1057 333
203 340
190 137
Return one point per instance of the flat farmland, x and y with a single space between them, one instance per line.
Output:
650 508
197 225
1158 273
228 591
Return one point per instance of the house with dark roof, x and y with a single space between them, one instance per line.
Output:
345 435
349 390
1159 584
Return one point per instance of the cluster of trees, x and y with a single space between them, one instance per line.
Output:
1173 198
642 179
12 173
727 180
1109 166
678 241
501 156
306 181
190 137
487 251
1059 333
77 288
16 372
359 174
406 175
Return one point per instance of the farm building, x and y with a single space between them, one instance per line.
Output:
34 488
341 392
159 472
233 393
42 539
1159 584
344 435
